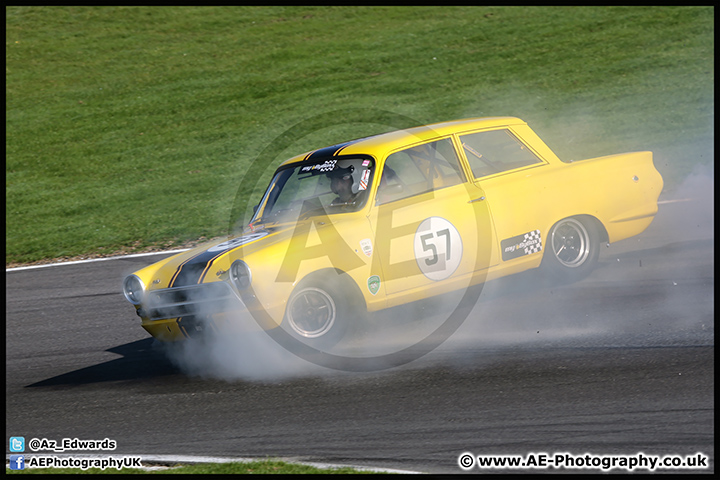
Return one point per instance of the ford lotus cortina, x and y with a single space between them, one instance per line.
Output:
398 217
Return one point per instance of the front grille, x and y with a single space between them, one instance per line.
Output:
203 299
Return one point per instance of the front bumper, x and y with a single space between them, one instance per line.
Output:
178 313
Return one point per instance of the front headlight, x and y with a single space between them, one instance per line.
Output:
240 275
134 289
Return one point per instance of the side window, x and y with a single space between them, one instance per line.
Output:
419 169
495 151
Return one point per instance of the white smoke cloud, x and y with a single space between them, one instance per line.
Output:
241 351
694 216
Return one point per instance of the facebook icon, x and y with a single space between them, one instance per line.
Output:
17 462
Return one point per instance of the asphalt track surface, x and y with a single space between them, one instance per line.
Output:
619 363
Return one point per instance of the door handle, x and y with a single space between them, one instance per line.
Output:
477 199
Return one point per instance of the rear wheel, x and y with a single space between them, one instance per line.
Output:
573 249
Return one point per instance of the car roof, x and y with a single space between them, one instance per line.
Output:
378 145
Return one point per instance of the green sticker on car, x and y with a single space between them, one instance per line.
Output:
374 284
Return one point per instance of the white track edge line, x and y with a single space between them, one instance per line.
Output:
92 260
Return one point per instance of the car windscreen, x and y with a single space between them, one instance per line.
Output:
320 187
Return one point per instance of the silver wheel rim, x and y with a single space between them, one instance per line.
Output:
570 242
311 312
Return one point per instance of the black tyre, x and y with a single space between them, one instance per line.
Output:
321 309
572 249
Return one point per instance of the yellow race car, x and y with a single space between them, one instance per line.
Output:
398 217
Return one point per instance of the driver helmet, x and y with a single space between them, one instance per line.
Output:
340 172
354 170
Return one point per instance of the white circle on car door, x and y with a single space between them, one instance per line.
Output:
438 248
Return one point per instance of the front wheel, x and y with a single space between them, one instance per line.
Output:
320 311
572 250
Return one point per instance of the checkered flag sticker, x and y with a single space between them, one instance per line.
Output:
533 242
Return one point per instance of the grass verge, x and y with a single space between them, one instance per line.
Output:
130 128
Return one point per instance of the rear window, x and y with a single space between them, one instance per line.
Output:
496 151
